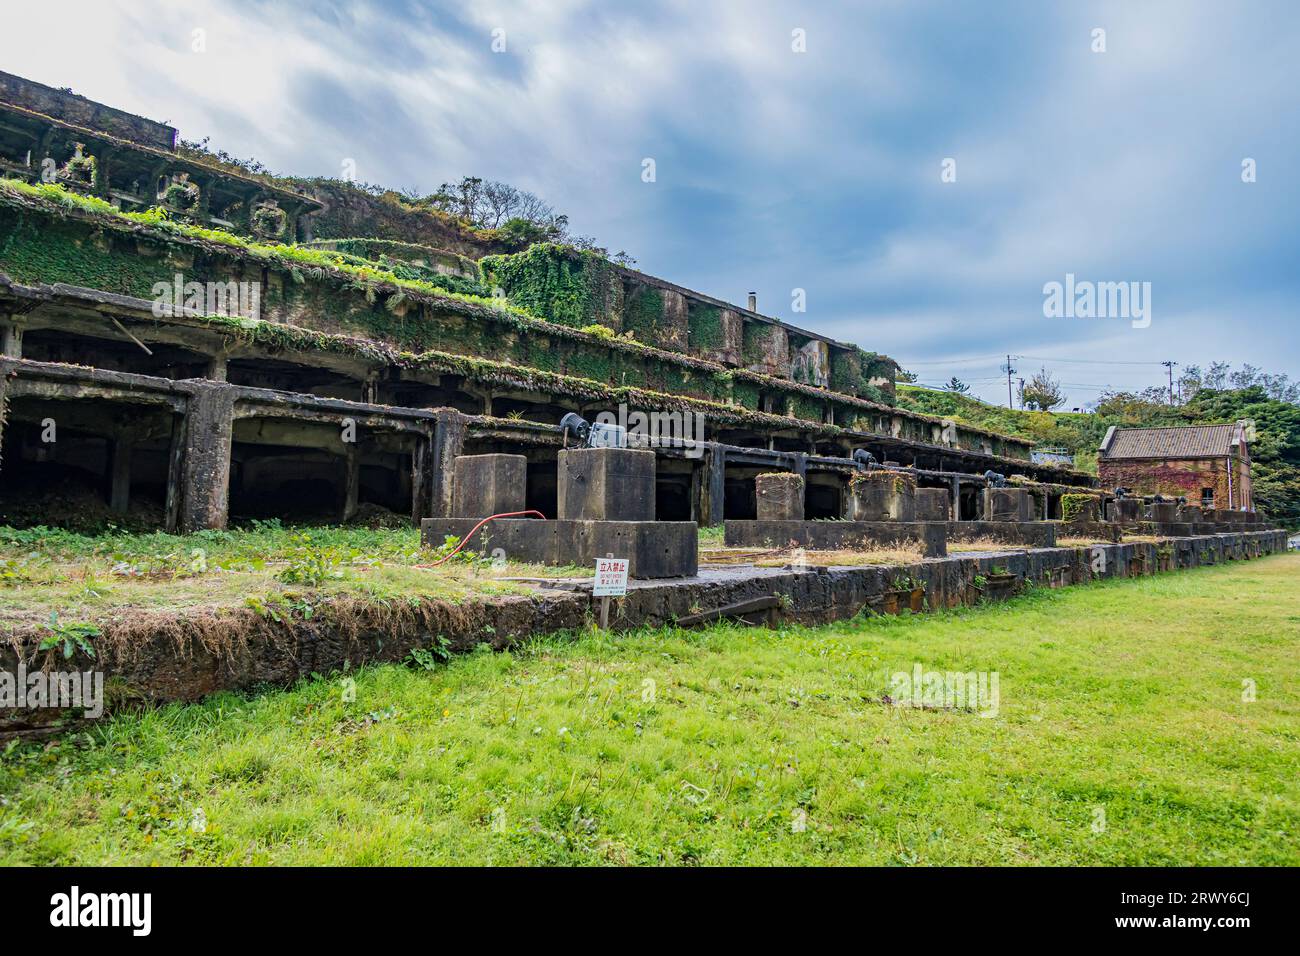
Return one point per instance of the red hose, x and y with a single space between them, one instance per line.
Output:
465 540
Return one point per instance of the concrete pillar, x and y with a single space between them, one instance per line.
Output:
488 484
119 496
606 484
175 475
1007 504
780 496
713 489
217 367
421 479
11 344
351 480
204 484
881 496
956 499
444 449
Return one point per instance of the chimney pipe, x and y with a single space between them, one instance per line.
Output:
753 302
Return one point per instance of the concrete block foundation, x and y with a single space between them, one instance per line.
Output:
838 535
488 485
606 484
654 549
1008 504
780 496
933 504
881 496
1032 534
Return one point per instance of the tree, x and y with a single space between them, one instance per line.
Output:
905 376
956 385
1041 393
1220 377
1275 454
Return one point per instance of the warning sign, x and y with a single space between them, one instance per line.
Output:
611 577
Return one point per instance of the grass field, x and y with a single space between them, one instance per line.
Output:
1124 733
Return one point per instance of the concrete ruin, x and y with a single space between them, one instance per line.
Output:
606 509
312 352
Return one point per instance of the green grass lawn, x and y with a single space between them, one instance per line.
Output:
1121 736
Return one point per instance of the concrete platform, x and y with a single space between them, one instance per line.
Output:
1098 530
1034 534
654 549
838 535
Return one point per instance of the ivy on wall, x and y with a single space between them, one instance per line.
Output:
47 235
566 285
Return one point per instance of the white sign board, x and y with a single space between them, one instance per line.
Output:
611 577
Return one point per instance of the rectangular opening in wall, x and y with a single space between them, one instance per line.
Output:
823 496
740 496
288 469
674 490
84 464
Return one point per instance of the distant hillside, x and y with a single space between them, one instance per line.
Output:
1275 454
1080 434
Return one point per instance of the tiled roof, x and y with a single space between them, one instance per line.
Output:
1188 441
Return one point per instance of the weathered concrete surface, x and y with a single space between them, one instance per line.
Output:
606 484
205 465
488 485
175 663
933 504
1101 530
1124 510
1008 504
654 549
837 535
780 496
881 496
1087 510
1036 534
1162 512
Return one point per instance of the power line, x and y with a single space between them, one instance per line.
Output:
1032 358
1039 358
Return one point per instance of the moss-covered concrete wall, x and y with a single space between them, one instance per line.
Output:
41 246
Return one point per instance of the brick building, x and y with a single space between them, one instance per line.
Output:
1208 464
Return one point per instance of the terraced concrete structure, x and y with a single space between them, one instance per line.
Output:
277 365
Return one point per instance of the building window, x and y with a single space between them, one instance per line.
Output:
1207 497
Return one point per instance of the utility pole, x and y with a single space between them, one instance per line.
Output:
1170 366
1010 372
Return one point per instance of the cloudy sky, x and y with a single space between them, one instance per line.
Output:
778 169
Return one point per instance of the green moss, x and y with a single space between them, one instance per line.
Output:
1073 505
705 333
49 235
643 314
561 284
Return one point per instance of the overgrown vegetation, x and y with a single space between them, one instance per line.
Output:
55 580
729 745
